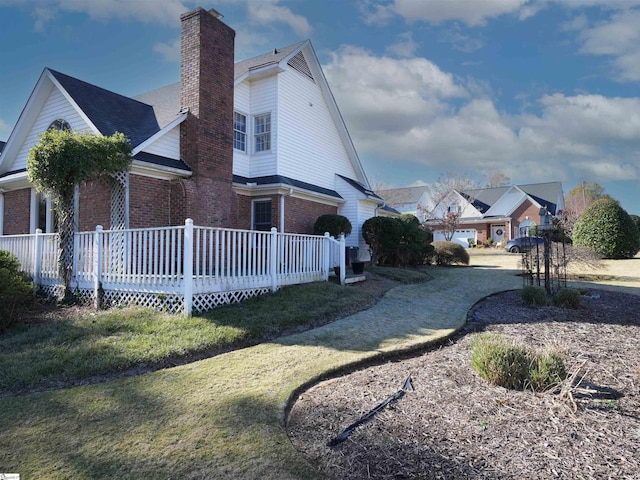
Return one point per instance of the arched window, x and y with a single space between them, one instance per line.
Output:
60 124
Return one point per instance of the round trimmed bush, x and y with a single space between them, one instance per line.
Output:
448 253
16 289
567 297
533 295
383 235
334 224
607 229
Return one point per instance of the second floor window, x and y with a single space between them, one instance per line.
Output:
239 131
262 132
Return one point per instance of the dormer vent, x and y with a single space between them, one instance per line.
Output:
300 65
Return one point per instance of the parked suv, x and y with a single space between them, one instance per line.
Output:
523 244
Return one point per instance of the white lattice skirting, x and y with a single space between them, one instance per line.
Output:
170 303
206 301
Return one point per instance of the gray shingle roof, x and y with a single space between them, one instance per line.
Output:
165 102
399 196
265 59
546 194
111 112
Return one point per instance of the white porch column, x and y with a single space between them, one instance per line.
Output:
49 225
1 213
34 212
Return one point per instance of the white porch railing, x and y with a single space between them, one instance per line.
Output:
181 268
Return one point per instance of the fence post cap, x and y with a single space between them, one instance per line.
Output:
188 221
274 230
38 231
326 234
98 228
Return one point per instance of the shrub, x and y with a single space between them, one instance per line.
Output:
447 253
534 295
567 297
500 362
16 289
334 224
503 363
607 229
547 370
415 247
383 235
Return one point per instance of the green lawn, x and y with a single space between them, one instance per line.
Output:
68 349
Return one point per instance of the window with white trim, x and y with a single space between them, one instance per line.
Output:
261 215
239 131
262 132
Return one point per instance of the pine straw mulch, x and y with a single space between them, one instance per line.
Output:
454 425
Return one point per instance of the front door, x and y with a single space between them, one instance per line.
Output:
497 233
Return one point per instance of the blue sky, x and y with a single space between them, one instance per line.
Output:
539 90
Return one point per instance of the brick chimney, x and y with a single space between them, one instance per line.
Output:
206 137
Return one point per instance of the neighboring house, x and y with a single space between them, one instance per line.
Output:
498 213
252 145
413 200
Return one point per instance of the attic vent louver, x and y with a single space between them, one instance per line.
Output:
299 64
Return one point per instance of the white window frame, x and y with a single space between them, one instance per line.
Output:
240 132
266 133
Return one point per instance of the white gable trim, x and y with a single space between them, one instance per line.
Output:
73 103
515 205
156 136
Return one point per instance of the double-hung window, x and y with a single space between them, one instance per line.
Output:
262 132
239 131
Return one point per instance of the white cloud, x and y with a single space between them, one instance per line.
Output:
411 110
404 47
462 42
268 12
394 95
164 12
471 13
169 51
619 38
375 13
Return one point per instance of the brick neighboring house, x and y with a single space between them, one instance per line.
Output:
251 145
498 213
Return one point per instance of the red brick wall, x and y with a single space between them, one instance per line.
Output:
206 143
527 209
95 206
16 211
149 202
244 212
300 215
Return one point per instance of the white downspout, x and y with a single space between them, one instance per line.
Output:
282 197
33 212
1 211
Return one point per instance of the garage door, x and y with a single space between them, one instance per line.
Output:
460 236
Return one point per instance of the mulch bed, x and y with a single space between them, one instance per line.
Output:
455 425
